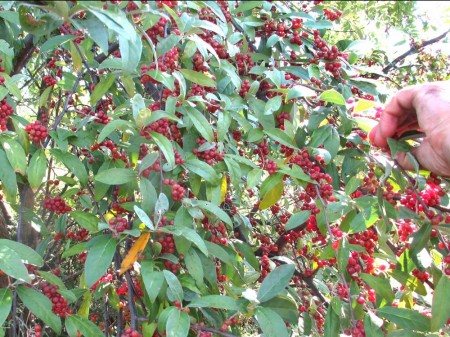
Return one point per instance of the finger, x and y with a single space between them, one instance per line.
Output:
399 116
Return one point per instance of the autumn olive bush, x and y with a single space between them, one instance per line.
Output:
202 168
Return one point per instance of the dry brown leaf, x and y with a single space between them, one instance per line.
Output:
134 252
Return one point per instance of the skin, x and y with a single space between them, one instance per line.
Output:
424 108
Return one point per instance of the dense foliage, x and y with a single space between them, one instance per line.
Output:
202 168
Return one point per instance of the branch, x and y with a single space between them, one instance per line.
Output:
24 54
241 30
413 50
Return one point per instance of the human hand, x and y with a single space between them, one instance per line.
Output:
425 108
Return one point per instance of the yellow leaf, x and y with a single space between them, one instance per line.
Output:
76 58
109 216
223 189
134 252
324 122
363 105
271 197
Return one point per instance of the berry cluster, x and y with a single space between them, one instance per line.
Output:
332 15
199 62
49 81
210 154
6 110
218 232
245 87
99 114
65 29
57 205
108 146
36 131
37 330
59 304
421 276
168 3
80 235
118 224
129 332
177 190
270 166
244 63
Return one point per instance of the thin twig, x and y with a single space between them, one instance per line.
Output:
216 331
413 50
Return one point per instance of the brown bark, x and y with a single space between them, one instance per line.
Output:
26 233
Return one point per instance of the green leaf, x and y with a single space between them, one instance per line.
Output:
420 239
332 96
178 324
277 280
285 307
194 265
16 155
54 42
440 309
116 176
5 304
85 326
165 146
203 170
215 210
73 163
144 217
11 264
86 220
272 325
398 146
190 235
381 285
111 126
99 257
174 285
53 279
217 251
406 318
280 136
40 306
164 78
75 250
372 325
297 219
343 255
320 24
37 169
27 254
197 77
153 280
204 24
246 6
8 177
102 88
214 301
299 91
200 122
332 322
